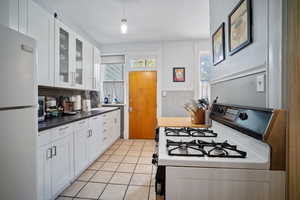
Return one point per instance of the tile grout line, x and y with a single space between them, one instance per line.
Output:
112 153
111 176
131 176
90 177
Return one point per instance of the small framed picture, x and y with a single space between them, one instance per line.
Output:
178 74
240 27
218 45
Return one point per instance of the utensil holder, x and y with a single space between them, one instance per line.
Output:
198 117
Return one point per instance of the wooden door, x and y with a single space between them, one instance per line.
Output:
142 105
293 66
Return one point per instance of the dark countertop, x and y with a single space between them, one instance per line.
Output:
60 121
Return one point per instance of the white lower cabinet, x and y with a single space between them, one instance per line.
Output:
81 135
61 164
44 172
55 157
65 152
95 145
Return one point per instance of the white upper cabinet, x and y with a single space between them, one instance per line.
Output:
96 69
79 67
41 28
69 58
64 56
92 62
18 10
88 63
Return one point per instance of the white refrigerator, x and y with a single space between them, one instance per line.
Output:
18 116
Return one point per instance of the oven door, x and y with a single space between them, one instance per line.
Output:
160 174
160 180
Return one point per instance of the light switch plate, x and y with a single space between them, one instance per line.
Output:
260 83
164 93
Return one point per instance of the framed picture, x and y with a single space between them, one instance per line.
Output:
218 45
178 74
240 27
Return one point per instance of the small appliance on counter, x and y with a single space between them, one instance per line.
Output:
68 106
86 105
51 107
77 102
41 109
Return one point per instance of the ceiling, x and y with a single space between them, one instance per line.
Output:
148 20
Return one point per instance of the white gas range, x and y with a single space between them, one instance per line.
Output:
233 160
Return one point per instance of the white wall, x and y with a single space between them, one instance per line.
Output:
262 56
253 55
4 12
169 54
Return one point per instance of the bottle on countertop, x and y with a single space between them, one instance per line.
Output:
106 100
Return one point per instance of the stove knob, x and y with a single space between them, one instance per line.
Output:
154 159
243 116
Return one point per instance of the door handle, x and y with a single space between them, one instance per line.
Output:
130 109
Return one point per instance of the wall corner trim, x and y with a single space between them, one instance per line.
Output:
239 74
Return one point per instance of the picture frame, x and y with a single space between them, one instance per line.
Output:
240 27
218 45
178 74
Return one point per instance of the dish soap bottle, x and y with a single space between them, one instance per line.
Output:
106 100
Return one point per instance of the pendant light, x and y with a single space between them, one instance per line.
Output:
124 27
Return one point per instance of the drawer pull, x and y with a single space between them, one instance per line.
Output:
49 154
53 151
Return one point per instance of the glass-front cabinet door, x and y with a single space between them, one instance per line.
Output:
79 64
63 72
63 56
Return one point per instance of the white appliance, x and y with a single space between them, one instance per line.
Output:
18 116
86 105
230 161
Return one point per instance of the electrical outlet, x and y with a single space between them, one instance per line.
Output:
260 83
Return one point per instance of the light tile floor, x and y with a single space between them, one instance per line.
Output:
123 172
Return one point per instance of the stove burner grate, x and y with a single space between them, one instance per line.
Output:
201 148
194 132
190 132
183 132
191 148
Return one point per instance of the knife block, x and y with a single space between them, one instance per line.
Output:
198 117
